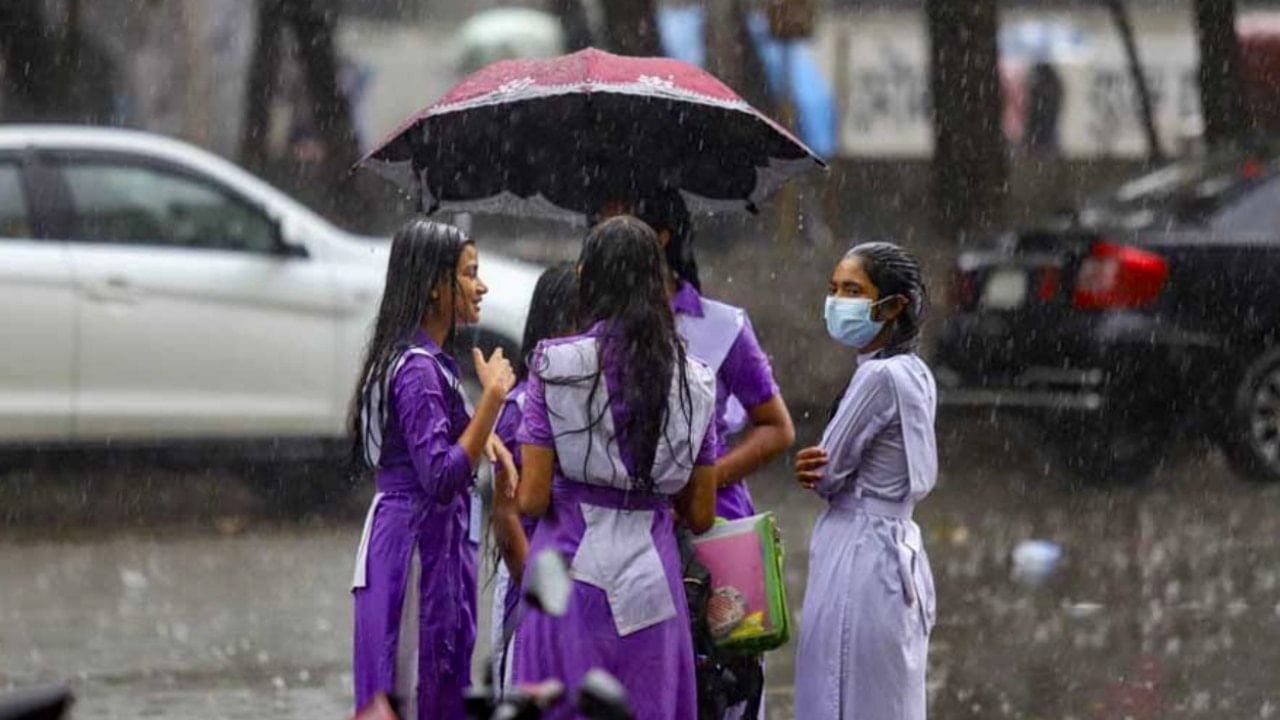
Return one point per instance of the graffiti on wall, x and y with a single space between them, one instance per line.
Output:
882 64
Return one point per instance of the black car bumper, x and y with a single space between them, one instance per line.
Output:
1079 364
1038 389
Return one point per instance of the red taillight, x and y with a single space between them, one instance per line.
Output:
1118 276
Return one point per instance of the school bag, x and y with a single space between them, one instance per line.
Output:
747 607
723 679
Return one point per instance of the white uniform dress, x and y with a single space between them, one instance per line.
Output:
869 605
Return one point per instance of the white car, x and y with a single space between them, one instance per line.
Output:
151 292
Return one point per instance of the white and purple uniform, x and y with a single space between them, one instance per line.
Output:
627 612
721 336
869 606
415 579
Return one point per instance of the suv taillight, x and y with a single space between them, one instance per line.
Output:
1117 277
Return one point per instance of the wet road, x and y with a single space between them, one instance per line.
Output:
1166 603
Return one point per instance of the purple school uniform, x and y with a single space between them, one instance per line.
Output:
721 336
627 611
506 594
869 606
422 509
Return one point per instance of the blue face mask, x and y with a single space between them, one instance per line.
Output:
849 321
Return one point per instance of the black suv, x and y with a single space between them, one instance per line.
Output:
1146 314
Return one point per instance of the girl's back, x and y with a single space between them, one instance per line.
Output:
617 439
586 417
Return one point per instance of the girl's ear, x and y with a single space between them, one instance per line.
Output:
891 307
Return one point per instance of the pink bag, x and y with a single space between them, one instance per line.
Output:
747 610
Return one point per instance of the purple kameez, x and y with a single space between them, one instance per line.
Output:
869 605
423 508
627 612
506 594
721 336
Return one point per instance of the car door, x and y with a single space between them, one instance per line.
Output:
1223 268
37 316
195 321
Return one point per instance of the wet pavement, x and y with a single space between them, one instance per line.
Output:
160 595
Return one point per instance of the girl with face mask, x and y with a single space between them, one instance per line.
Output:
869 606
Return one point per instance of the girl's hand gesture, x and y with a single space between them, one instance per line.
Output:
505 477
808 466
495 374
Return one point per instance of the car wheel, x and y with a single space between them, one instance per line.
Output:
1252 438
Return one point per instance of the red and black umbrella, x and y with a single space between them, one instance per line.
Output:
561 136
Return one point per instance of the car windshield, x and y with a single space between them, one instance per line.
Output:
1183 191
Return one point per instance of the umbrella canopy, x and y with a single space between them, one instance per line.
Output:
562 136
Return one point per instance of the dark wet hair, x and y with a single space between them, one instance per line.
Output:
894 270
552 311
667 211
621 284
424 254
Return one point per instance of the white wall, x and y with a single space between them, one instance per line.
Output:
410 66
879 63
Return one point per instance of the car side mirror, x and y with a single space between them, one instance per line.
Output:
293 251
548 583
283 247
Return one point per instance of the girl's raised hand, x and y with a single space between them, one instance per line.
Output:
495 374
808 466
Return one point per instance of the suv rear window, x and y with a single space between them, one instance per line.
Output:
1186 191
13 206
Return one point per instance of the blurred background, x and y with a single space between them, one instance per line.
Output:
1092 186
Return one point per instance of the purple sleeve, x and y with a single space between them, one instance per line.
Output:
707 452
535 425
746 372
508 426
442 466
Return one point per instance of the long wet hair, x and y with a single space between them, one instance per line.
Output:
668 211
896 271
424 257
621 284
552 312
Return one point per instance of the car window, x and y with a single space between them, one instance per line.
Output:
1188 191
137 205
13 207
1255 213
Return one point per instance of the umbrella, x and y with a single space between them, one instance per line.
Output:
562 136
